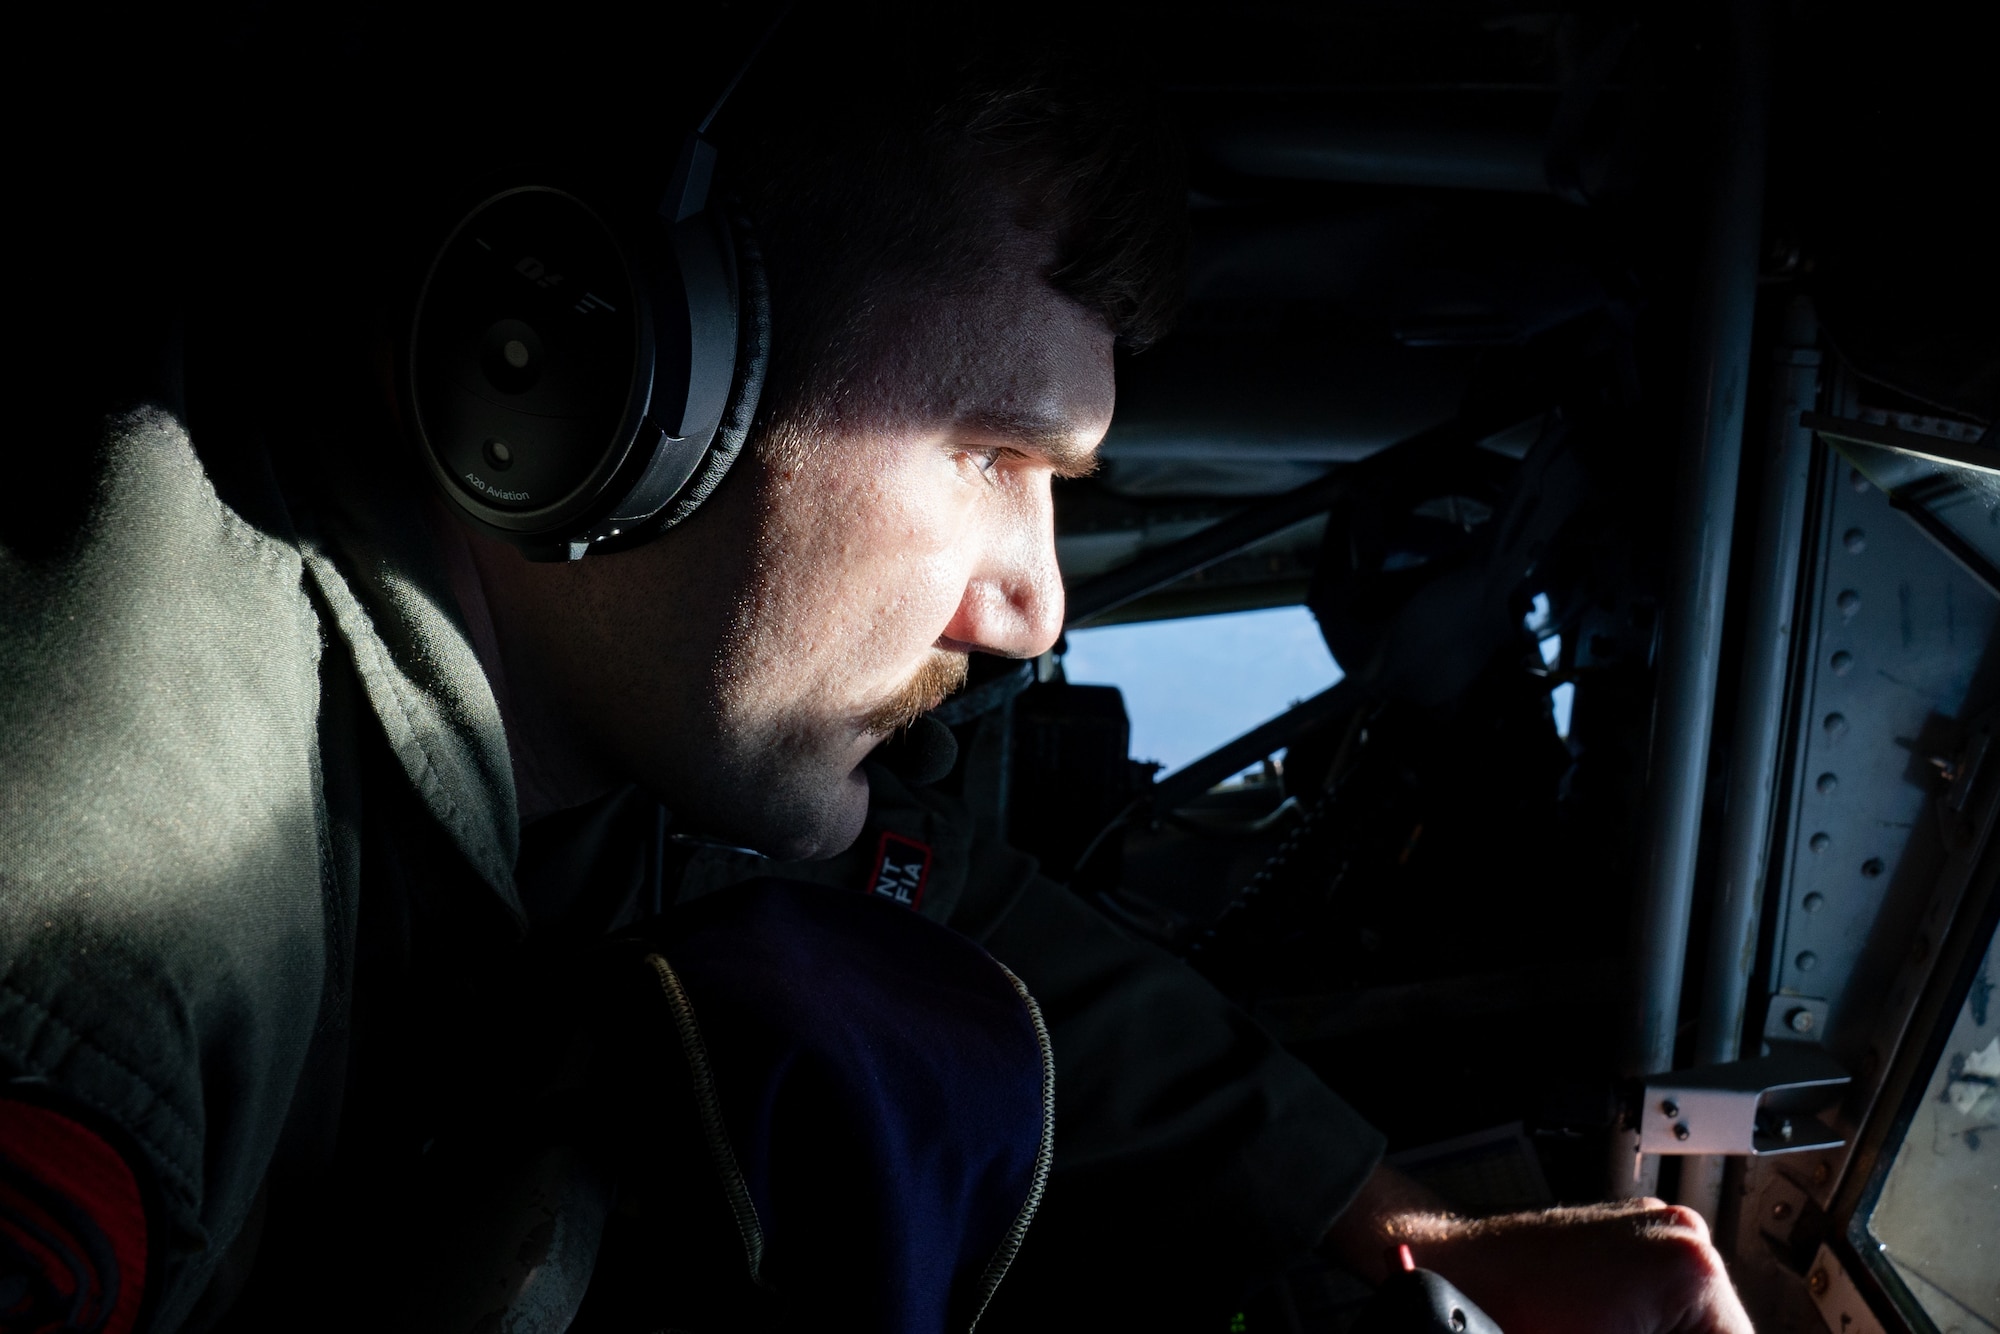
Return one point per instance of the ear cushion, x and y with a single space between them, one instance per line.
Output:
753 354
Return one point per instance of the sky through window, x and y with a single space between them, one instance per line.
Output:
1192 684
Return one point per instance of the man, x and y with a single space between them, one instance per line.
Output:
304 775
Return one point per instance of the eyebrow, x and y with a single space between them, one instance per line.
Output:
1050 436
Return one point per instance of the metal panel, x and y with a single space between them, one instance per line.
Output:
1900 659
1900 634
1840 1303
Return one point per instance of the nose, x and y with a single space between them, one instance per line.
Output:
1013 600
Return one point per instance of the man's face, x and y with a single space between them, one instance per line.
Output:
744 665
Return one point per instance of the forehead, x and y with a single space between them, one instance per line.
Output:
1009 352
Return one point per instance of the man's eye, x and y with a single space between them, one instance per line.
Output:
984 459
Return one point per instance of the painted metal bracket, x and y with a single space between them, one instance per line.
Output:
1757 1107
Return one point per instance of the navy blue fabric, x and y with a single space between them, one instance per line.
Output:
881 1081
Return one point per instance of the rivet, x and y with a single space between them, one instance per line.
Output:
1670 1109
1855 541
1849 602
1817 1282
1857 481
1806 961
1820 842
1843 663
1681 1132
1827 784
1872 867
1782 1209
1835 724
1813 902
1820 1174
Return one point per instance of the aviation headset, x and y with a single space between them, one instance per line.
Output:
575 384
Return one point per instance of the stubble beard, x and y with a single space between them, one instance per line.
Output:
939 677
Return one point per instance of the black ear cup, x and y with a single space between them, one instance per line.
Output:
530 363
571 389
753 355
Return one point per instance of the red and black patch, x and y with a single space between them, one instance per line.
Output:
72 1227
902 869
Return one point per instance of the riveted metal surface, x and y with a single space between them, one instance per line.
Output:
1900 635
1840 1302
1899 642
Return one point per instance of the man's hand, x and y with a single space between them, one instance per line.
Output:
1633 1267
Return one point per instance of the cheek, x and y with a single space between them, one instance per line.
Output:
871 560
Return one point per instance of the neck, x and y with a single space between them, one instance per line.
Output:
549 774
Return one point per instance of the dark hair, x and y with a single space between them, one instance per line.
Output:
888 150
886 144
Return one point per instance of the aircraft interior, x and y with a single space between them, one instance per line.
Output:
1608 353
1614 385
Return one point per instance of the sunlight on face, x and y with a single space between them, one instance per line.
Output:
745 664
916 527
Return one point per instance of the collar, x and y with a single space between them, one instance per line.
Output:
369 553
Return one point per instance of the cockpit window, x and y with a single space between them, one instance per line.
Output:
1932 1222
1192 684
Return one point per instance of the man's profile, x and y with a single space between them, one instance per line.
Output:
322 803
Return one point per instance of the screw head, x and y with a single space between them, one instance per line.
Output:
1820 842
1849 602
1820 1173
1781 1210
1855 541
1670 1109
1800 1020
1806 961
1813 902
1817 1282
1836 724
1681 1131
1843 663
1828 784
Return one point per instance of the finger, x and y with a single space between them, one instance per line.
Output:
1728 1316
1676 1221
1719 1310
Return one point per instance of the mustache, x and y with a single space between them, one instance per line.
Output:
941 674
